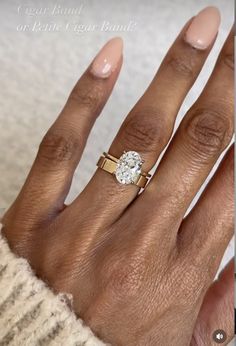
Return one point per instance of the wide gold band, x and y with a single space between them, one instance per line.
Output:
108 163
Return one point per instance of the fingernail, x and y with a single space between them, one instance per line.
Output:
204 27
107 59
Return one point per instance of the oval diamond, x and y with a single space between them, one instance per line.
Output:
128 167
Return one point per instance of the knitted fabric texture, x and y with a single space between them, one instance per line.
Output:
30 313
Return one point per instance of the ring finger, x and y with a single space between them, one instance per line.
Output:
149 125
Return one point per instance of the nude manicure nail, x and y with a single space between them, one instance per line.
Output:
204 27
107 59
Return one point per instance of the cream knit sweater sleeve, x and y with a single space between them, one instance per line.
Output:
30 313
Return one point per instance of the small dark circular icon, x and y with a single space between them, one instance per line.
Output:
219 336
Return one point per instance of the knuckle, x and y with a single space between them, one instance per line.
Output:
125 280
190 281
142 132
89 95
183 65
56 147
208 130
202 275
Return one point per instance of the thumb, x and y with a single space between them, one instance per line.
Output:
217 310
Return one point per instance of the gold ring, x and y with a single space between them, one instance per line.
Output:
127 169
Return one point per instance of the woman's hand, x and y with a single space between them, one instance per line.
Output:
139 272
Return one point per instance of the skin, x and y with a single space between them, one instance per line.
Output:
139 275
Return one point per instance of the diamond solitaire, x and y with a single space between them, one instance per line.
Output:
128 168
